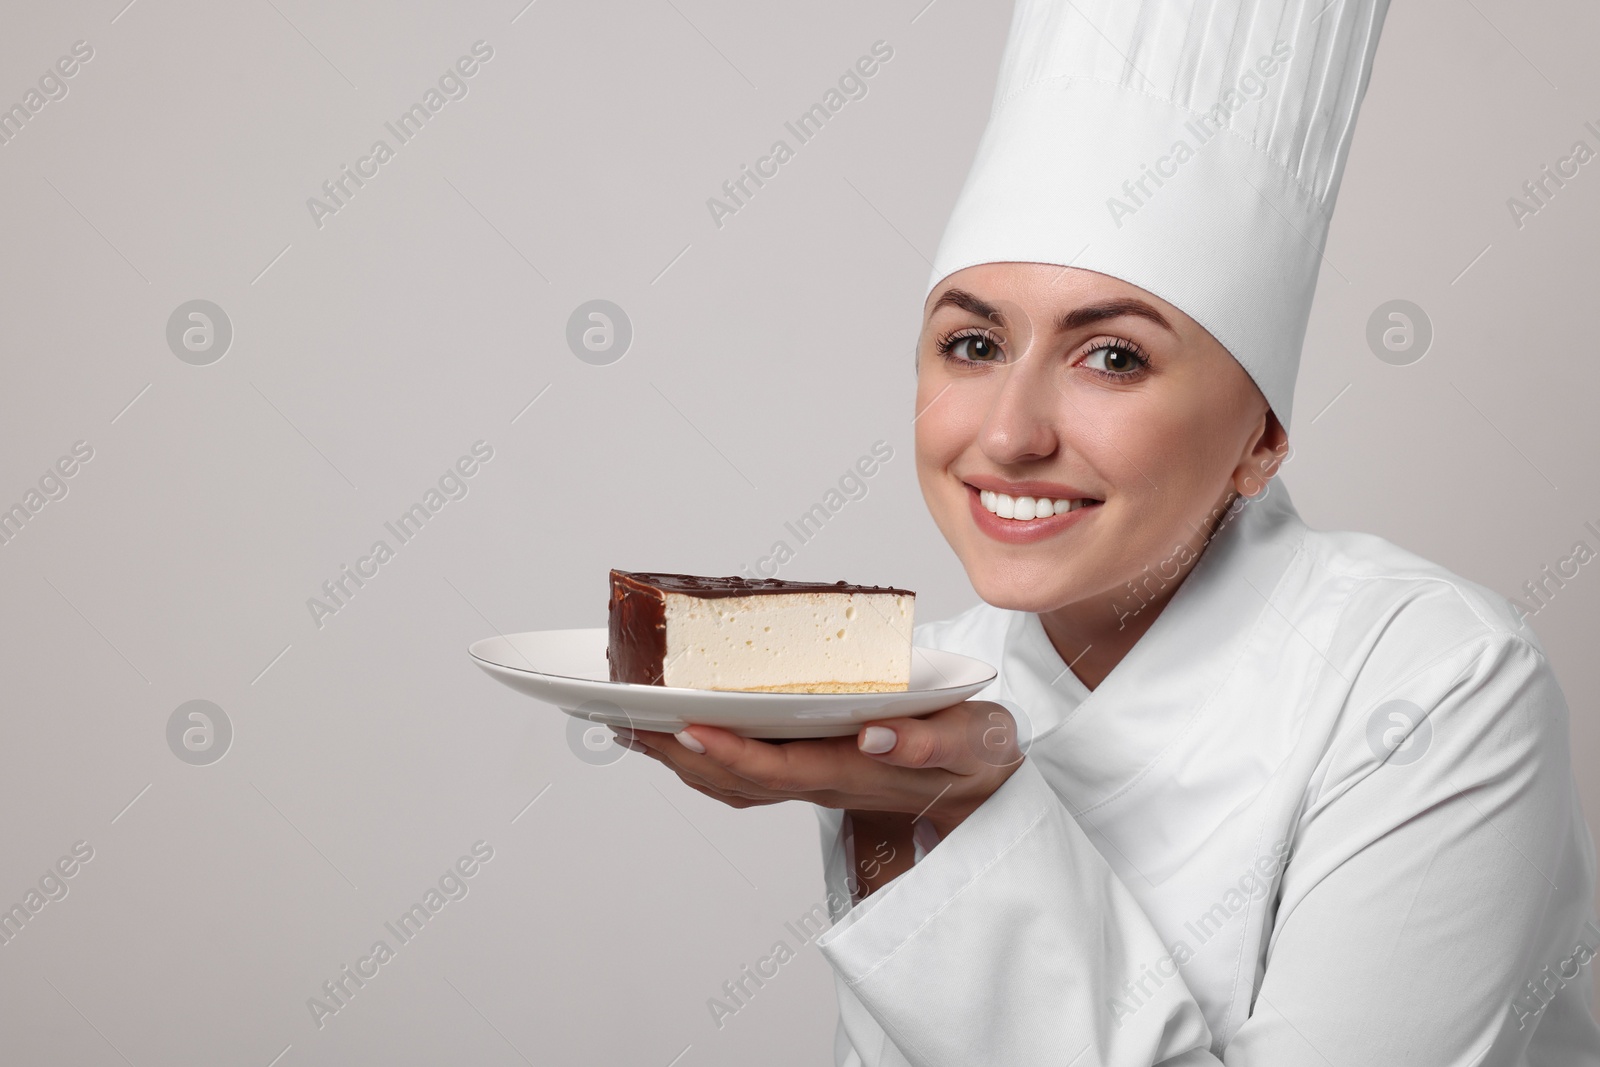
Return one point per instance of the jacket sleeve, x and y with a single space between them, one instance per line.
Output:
1419 902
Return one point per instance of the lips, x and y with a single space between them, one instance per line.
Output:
1024 508
1059 512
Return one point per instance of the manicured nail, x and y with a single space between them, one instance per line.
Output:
689 741
632 745
621 732
877 740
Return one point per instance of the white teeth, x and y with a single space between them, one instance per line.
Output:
1024 508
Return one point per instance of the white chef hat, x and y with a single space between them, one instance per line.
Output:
1192 148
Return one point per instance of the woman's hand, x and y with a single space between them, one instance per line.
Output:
942 766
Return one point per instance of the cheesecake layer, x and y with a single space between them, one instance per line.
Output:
764 635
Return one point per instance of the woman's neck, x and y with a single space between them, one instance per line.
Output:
1092 638
1093 635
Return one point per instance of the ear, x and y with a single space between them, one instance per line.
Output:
1265 452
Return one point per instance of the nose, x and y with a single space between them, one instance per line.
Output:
1021 422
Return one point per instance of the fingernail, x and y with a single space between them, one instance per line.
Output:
877 740
632 745
622 732
689 741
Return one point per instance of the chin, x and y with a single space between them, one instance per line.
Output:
1023 588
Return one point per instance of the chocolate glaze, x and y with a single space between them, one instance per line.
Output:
637 637
737 585
636 648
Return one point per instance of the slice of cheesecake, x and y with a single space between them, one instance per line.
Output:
766 634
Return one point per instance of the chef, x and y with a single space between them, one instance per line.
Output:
1242 792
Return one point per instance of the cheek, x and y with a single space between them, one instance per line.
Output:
1151 448
1211 443
1186 513
1163 465
1123 439
946 419
937 444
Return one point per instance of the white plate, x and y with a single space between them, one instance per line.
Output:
568 668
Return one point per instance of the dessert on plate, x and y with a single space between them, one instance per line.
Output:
764 635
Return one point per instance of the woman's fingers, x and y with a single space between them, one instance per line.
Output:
731 799
754 760
797 769
698 767
967 738
940 765
828 771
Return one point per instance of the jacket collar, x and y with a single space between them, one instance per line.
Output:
1097 743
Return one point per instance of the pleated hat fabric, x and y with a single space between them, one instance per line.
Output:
1193 148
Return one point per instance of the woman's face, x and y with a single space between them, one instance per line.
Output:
1038 381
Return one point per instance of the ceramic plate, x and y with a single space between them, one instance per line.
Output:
568 668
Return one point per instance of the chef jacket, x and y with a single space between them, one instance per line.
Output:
1323 812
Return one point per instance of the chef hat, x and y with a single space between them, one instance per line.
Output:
1192 148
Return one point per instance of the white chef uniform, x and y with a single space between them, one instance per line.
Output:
1323 812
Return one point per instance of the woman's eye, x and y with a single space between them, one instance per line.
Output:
1113 359
970 348
977 348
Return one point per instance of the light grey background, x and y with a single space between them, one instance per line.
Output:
767 355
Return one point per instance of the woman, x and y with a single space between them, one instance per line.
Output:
1242 792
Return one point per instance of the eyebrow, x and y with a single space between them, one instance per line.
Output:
1075 319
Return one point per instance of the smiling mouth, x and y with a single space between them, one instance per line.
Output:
1029 508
